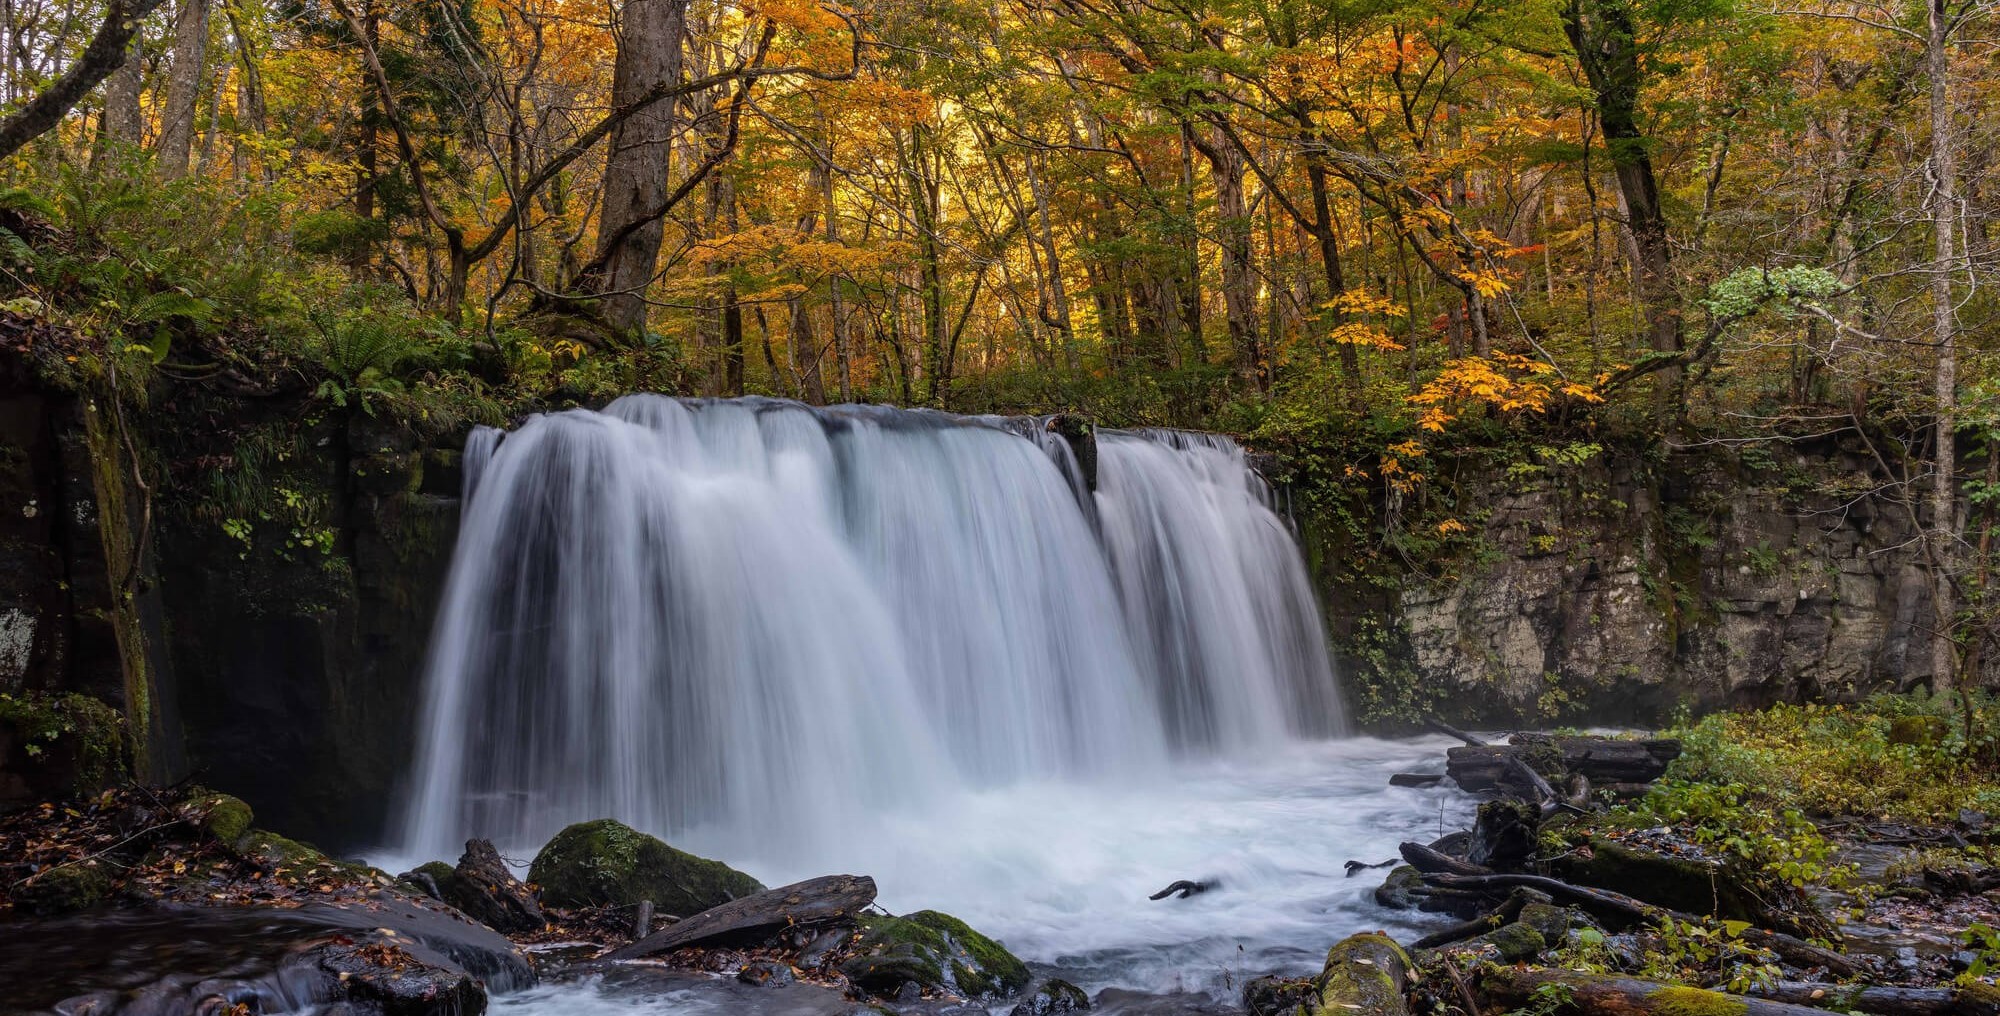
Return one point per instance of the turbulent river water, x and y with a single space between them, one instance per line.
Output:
921 647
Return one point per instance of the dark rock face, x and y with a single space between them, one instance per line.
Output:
606 863
301 658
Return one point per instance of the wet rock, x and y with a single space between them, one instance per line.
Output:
1403 890
1278 996
765 972
1053 997
62 889
931 950
483 889
390 980
607 863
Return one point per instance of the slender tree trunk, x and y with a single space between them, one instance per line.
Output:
124 122
249 96
185 76
805 347
1239 280
636 167
365 144
1602 34
1944 334
1336 282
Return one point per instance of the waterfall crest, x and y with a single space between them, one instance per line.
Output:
756 616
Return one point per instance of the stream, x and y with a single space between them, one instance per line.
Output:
1060 872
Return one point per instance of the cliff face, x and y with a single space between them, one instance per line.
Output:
276 656
1630 589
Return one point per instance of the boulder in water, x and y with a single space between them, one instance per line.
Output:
606 863
931 950
483 889
1053 997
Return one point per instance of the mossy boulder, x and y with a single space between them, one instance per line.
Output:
221 816
933 951
1921 731
63 889
55 747
609 864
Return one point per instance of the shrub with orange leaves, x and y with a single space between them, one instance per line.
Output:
1508 382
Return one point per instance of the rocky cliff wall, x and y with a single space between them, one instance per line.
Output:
1634 585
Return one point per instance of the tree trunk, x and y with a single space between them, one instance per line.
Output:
108 50
1336 283
185 77
1944 334
1239 282
1601 32
637 164
124 122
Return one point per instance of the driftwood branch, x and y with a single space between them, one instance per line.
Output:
758 916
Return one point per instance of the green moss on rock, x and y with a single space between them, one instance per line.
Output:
224 817
606 863
1680 1001
62 890
74 745
935 951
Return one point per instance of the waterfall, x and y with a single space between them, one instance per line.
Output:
756 616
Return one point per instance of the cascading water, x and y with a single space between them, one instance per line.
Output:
759 622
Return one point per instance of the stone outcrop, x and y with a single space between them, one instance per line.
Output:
1631 589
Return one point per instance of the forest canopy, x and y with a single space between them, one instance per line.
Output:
1393 228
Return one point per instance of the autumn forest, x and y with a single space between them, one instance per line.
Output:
1374 232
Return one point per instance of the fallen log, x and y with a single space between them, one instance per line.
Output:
1450 731
1605 904
1427 860
1364 975
1505 913
1627 996
1947 1001
1418 780
1607 760
753 918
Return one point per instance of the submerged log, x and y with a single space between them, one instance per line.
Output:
754 918
1602 759
1185 887
1418 780
1627 996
